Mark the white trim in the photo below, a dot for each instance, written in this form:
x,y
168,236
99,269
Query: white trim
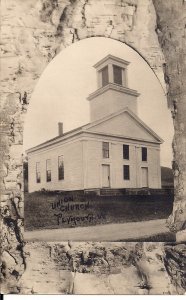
x,y
136,118
84,129
56,141
120,140
90,135
109,57
122,137
115,87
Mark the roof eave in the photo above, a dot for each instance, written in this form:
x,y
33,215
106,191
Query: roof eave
x,y
48,143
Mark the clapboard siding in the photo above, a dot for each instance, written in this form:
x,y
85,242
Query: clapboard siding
x,y
83,165
73,167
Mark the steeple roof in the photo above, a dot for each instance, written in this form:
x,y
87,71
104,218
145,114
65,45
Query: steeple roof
x,y
111,58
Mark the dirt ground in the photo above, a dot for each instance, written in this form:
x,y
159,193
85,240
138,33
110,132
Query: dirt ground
x,y
107,232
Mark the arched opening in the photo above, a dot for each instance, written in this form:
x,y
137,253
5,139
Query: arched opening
x,y
60,97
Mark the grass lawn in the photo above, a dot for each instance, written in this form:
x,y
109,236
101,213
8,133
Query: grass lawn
x,y
55,210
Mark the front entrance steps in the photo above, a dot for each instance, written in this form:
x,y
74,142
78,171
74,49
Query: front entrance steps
x,y
129,191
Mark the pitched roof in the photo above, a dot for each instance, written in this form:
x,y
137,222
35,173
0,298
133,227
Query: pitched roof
x,y
134,116
57,138
86,127
114,58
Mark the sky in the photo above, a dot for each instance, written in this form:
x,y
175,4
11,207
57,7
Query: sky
x,y
61,92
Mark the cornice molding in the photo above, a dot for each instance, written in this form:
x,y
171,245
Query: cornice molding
x,y
114,87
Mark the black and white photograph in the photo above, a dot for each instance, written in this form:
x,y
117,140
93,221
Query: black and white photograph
x,y
93,160
98,149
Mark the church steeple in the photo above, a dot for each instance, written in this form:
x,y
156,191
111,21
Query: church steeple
x,y
112,69
113,93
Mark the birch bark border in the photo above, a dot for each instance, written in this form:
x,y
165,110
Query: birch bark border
x,y
33,32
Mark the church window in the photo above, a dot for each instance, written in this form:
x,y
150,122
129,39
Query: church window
x,y
104,73
126,172
144,154
117,74
125,151
38,173
60,167
105,149
48,170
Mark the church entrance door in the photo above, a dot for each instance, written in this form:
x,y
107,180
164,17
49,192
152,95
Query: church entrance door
x,y
105,176
144,177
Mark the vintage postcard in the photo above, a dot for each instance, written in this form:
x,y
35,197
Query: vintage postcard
x,y
92,147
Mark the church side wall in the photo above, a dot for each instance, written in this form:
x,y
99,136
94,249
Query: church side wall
x,y
73,168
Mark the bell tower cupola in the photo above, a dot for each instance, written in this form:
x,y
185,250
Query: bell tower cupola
x,y
113,93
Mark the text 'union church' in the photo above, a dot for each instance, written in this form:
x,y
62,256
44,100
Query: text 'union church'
x,y
115,150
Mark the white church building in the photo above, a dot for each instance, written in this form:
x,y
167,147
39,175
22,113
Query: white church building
x,y
116,150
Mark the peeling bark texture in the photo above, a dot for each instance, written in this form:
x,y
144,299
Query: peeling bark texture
x,y
175,263
97,268
171,31
32,33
